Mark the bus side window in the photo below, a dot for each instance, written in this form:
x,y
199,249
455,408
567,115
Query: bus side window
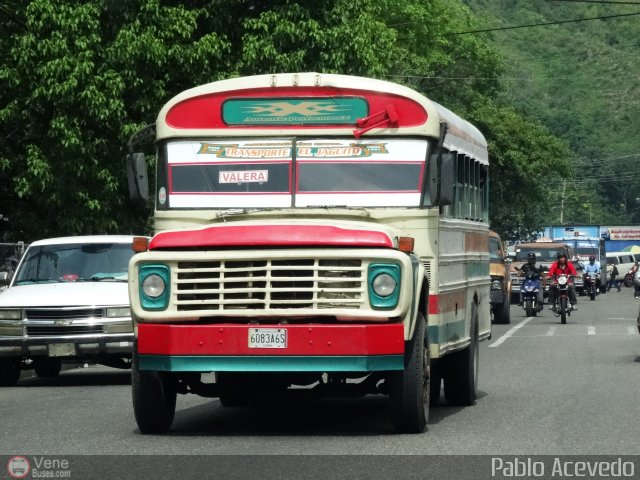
x,y
484,192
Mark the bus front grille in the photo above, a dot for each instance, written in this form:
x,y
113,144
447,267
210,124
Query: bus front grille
x,y
271,284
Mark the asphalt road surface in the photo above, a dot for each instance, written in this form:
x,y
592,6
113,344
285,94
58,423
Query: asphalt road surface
x,y
545,388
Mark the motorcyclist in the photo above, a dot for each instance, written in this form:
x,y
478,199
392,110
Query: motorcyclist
x,y
537,271
593,269
562,267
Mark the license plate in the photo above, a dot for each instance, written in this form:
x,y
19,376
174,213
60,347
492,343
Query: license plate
x,y
267,338
62,350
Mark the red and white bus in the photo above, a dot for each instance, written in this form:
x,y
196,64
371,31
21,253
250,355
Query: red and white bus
x,y
321,233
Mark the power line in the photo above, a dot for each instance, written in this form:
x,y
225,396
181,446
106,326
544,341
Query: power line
x,y
513,27
602,2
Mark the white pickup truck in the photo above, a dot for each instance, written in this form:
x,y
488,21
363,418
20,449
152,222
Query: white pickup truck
x,y
67,301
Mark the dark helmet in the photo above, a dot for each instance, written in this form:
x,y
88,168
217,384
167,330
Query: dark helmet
x,y
531,257
592,258
561,254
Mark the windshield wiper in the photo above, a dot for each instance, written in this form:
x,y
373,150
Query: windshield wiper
x,y
35,280
104,277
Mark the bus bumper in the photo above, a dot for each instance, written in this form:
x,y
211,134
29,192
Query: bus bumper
x,y
308,348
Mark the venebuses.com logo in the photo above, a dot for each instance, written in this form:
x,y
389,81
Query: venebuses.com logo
x,y
18,467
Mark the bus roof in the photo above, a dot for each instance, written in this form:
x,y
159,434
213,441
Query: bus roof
x,y
311,103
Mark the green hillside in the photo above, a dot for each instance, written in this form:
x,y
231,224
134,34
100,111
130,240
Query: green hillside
x,y
581,80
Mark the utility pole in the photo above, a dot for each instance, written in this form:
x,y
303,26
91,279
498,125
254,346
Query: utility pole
x,y
564,187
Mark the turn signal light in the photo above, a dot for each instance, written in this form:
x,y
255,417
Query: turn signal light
x,y
140,244
405,244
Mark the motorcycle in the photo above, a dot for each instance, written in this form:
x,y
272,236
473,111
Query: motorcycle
x,y
591,285
562,307
530,290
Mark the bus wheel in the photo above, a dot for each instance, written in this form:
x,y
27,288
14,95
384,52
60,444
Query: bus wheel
x,y
461,379
10,371
154,398
410,390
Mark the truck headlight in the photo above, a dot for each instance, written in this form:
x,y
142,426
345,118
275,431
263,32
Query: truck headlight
x,y
11,314
384,285
154,286
11,328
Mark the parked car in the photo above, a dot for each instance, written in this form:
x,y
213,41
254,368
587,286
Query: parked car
x,y
67,301
500,280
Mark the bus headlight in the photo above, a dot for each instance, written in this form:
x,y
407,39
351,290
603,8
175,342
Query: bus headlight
x,y
154,286
384,285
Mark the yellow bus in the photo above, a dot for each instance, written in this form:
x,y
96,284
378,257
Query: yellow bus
x,y
315,233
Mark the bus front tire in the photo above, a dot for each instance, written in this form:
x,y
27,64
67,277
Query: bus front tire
x,y
154,399
461,380
410,390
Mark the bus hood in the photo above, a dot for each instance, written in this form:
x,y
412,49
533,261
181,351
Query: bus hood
x,y
282,233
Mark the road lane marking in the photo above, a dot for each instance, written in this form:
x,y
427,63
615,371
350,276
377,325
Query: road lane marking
x,y
591,330
510,332
551,331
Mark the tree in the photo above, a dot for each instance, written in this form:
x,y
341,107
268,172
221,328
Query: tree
x,y
77,79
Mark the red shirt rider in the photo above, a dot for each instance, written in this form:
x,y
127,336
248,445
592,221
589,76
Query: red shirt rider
x,y
562,267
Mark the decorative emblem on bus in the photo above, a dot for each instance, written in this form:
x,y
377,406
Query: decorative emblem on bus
x,y
294,111
303,150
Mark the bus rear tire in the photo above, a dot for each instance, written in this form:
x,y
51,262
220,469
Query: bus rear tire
x,y
410,389
461,380
154,399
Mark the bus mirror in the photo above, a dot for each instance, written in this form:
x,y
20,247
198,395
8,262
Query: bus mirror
x,y
440,179
137,177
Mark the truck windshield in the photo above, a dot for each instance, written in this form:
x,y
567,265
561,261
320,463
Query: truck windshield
x,y
75,263
542,255
294,173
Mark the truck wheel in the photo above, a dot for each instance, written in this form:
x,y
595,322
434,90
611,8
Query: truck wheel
x,y
10,371
410,389
502,312
154,398
461,379
47,367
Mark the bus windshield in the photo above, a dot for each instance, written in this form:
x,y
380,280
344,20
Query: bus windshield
x,y
270,173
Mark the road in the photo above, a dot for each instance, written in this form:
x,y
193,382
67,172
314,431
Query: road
x,y
545,388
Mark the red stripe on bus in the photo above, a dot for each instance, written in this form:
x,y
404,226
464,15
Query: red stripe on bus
x,y
476,242
271,235
205,111
447,302
233,339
